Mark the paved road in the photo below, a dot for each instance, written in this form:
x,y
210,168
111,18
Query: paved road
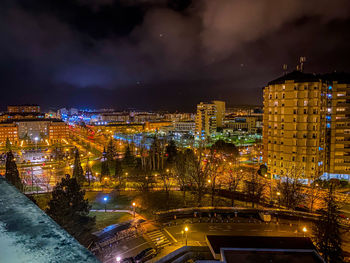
x,y
129,248
197,232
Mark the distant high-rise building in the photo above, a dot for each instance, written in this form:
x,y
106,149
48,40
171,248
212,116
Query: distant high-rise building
x,y
206,119
306,125
220,112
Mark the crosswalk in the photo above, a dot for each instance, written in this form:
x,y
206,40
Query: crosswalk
x,y
158,238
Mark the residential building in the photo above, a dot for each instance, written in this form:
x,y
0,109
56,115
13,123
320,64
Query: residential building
x,y
206,119
220,112
58,131
20,115
306,126
184,126
10,131
23,108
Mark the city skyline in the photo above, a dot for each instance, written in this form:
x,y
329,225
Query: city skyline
x,y
117,53
152,131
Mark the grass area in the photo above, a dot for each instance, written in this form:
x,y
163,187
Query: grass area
x,y
106,219
115,200
42,200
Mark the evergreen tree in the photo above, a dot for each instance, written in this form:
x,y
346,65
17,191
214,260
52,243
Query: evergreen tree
x,y
88,171
8,145
104,166
11,173
118,172
171,152
110,152
78,171
129,159
327,230
70,210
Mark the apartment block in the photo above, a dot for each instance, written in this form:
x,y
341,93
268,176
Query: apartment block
x,y
306,126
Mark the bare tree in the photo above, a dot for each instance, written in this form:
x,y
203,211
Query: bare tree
x,y
235,176
181,173
314,192
254,187
198,170
290,188
166,177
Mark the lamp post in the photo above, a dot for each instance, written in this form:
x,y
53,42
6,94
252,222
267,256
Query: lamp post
x,y
279,201
118,259
186,230
134,206
105,199
36,142
304,230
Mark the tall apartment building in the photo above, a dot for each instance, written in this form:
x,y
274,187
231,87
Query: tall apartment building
x,y
220,112
23,108
206,119
306,125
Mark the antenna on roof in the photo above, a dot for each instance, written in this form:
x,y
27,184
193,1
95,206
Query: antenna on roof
x,y
301,60
285,67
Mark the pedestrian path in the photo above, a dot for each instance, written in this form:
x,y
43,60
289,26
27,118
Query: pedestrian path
x,y
158,239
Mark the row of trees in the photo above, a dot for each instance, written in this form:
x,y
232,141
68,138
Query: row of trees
x,y
195,170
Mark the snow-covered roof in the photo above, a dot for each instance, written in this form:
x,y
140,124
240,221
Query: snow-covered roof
x,y
27,234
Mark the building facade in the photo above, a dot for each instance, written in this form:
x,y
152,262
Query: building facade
x,y
220,112
206,119
23,108
10,131
58,131
305,125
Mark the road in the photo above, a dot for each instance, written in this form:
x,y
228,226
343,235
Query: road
x,y
197,232
129,248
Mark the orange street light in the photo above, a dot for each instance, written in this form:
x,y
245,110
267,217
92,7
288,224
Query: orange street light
x,y
186,230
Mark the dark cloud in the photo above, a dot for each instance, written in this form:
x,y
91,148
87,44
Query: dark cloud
x,y
162,54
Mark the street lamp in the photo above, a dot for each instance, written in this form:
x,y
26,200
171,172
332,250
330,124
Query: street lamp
x,y
36,139
186,230
134,206
304,230
279,201
105,199
118,259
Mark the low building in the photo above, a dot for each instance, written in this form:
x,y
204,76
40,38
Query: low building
x,y
21,115
10,131
23,108
246,123
58,131
156,125
114,117
257,249
35,129
184,126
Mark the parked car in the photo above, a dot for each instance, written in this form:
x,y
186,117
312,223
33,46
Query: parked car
x,y
145,255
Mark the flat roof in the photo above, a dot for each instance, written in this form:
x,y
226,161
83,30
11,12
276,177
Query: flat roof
x,y
27,234
259,242
263,256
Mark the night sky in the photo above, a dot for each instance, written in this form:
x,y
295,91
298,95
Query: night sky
x,y
159,54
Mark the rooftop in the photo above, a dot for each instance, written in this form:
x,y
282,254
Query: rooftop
x,y
27,234
263,249
298,76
